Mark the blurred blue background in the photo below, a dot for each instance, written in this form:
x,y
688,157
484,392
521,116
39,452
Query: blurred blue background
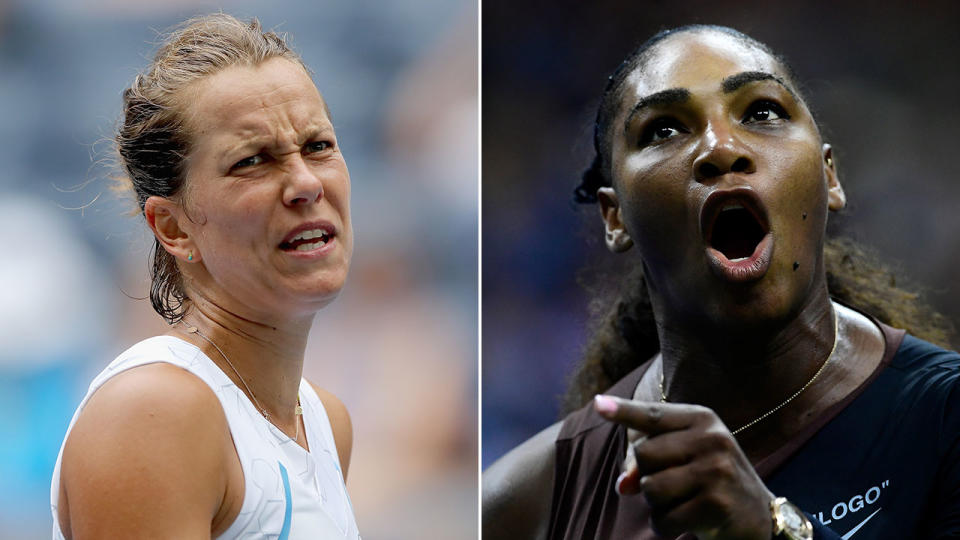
x,y
400,344
883,80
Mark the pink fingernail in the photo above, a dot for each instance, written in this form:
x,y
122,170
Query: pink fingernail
x,y
604,404
620,479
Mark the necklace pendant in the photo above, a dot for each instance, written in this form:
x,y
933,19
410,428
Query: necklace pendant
x,y
298,411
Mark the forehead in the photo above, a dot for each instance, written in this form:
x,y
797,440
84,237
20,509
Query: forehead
x,y
697,61
277,92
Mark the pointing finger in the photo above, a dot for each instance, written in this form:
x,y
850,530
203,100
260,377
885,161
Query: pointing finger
x,y
651,418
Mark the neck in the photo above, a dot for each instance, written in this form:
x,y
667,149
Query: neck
x,y
742,376
261,359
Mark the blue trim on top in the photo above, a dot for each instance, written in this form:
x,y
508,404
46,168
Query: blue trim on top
x,y
285,530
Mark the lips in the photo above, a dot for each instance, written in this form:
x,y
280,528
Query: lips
x,y
309,237
737,235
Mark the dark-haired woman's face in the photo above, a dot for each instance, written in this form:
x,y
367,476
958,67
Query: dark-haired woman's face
x,y
721,180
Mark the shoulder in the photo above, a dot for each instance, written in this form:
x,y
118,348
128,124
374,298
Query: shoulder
x,y
153,399
149,445
926,370
518,488
915,353
340,424
925,379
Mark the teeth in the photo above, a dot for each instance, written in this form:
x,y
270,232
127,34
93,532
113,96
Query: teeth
x,y
307,235
311,245
738,259
733,206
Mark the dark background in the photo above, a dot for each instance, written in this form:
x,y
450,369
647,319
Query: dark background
x,y
883,80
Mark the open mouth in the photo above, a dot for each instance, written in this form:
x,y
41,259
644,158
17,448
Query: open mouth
x,y
736,232
733,222
737,235
307,240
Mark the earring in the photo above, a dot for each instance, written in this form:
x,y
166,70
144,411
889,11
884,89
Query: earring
x,y
619,241
190,256
829,161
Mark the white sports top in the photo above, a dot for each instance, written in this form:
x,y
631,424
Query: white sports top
x,y
290,494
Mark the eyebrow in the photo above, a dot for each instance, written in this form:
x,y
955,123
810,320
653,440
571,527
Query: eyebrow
x,y
670,96
735,82
730,84
251,136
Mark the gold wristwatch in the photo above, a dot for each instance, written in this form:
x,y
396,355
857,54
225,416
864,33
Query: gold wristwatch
x,y
789,523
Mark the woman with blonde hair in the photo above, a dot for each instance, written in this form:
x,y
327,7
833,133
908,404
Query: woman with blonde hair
x,y
210,430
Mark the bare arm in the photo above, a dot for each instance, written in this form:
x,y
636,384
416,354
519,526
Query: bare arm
x,y
340,424
518,488
146,459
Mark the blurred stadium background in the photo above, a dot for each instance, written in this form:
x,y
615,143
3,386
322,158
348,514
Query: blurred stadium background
x,y
399,346
882,79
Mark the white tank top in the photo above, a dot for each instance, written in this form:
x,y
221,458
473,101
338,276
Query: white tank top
x,y
290,494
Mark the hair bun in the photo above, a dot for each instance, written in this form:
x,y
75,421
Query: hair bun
x,y
590,182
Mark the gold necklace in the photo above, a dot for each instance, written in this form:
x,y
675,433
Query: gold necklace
x,y
836,338
297,411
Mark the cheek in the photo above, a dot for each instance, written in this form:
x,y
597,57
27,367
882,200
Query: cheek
x,y
798,207
799,188
343,202
654,197
336,182
237,219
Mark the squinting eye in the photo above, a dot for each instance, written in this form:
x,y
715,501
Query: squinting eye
x,y
319,146
765,111
248,162
660,130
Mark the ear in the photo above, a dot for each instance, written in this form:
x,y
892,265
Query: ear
x,y
617,238
836,199
164,219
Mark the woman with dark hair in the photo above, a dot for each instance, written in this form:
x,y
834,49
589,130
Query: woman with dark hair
x,y
745,401
210,430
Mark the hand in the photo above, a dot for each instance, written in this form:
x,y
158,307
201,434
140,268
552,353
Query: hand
x,y
691,471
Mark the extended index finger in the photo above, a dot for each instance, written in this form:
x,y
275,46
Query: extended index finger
x,y
649,417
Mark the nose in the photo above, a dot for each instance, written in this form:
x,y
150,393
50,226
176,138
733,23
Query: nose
x,y
722,153
302,185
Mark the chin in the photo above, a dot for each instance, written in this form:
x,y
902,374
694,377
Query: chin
x,y
318,294
325,298
731,308
298,305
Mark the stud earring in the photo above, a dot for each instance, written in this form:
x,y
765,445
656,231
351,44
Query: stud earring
x,y
619,241
190,256
829,161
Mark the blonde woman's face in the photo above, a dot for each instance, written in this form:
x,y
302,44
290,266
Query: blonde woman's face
x,y
268,191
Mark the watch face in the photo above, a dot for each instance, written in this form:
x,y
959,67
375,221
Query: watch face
x,y
795,524
792,520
